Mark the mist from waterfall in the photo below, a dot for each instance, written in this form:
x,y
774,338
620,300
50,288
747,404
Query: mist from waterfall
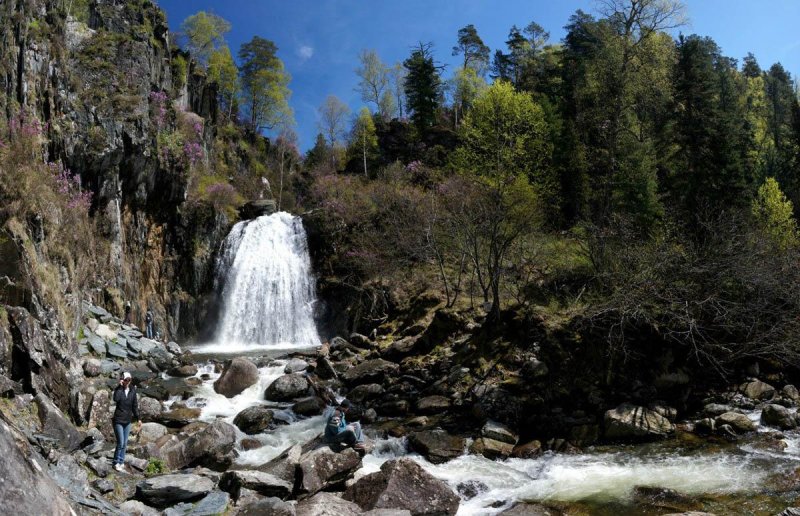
x,y
268,289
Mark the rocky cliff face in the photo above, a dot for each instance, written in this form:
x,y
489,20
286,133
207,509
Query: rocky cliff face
x,y
94,78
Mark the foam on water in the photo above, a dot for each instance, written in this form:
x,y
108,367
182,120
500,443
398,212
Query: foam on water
x,y
268,290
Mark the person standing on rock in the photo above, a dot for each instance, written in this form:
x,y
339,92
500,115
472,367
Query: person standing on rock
x,y
338,431
127,410
148,324
127,319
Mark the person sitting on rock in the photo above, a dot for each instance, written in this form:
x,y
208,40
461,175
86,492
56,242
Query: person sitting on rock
x,y
338,431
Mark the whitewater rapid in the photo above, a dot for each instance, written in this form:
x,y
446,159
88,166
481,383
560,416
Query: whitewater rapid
x,y
268,290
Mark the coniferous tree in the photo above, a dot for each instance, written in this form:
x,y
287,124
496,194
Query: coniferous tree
x,y
423,86
474,50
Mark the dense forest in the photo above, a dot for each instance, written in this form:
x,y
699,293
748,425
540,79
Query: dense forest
x,y
643,183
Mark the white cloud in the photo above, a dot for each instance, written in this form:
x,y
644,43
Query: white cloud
x,y
305,52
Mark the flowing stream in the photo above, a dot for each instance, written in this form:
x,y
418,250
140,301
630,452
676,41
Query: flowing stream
x,y
726,479
268,289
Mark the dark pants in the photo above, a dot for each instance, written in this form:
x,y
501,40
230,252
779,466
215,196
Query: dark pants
x,y
348,437
121,432
148,331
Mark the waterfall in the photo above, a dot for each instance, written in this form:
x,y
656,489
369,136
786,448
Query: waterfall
x,y
268,290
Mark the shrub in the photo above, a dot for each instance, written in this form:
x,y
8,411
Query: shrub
x,y
155,467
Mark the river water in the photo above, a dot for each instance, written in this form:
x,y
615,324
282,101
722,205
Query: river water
x,y
743,478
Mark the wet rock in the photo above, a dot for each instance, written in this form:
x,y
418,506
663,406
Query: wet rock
x,y
394,408
258,481
310,406
137,508
269,506
433,404
499,432
213,504
791,392
740,423
209,447
287,388
778,416
490,448
248,443
634,422
163,390
178,417
151,432
295,365
436,445
365,392
528,450
705,426
361,341
56,425
757,390
791,511
254,420
323,469
174,348
530,509
327,504
160,359
165,490
370,371
471,488
403,484
715,409
149,408
183,371
727,432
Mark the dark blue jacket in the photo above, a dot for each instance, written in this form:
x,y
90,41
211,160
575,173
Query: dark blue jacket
x,y
127,406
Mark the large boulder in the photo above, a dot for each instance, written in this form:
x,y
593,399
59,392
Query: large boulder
x,y
638,423
739,422
433,404
151,432
776,415
272,506
178,417
757,390
25,487
365,392
149,408
436,445
214,503
287,388
56,425
491,448
325,369
253,420
499,432
295,365
208,447
327,504
323,469
403,484
371,371
237,375
310,406
263,483
165,490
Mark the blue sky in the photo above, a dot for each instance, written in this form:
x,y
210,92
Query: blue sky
x,y
319,40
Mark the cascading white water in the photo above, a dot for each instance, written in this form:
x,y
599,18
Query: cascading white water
x,y
268,289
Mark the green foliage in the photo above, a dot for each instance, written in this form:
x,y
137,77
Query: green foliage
x,y
474,50
422,87
774,214
364,138
467,85
374,82
79,9
222,70
204,33
180,70
155,467
265,85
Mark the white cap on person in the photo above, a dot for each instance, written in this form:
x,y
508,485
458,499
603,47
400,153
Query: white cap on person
x,y
126,375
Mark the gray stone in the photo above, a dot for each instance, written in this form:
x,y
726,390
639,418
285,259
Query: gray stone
x,y
25,486
237,375
174,348
100,466
151,432
287,388
757,390
207,447
253,420
791,392
738,422
258,481
103,485
371,371
137,508
97,344
327,504
149,408
117,350
56,425
310,406
295,365
325,370
92,367
778,416
269,506
365,392
323,469
165,490
436,445
403,484
70,476
433,404
491,448
499,432
109,366
213,504
715,409
633,422
184,371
